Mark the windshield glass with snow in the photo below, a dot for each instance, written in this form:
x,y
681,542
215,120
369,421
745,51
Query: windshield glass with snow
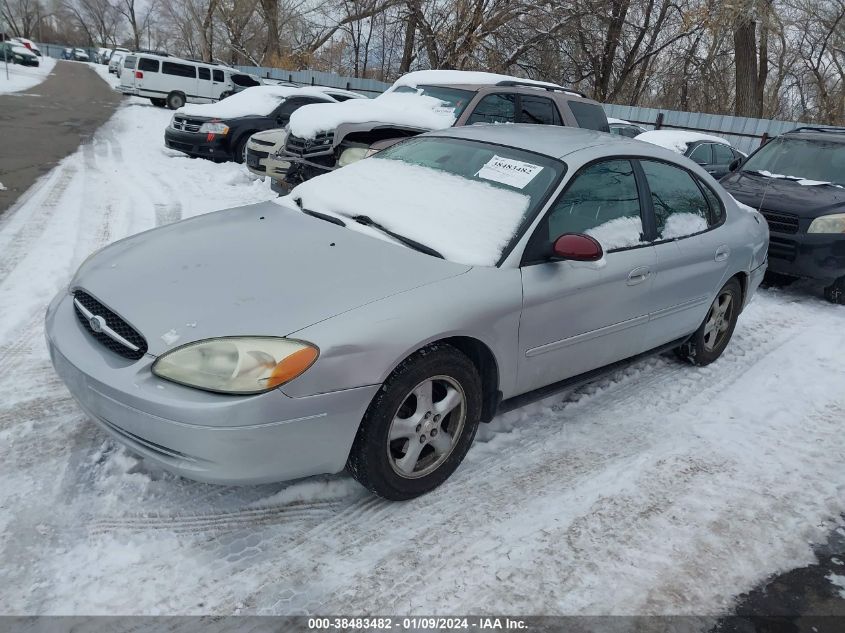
x,y
454,98
800,159
465,199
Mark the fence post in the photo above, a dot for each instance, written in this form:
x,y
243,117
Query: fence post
x,y
764,139
659,122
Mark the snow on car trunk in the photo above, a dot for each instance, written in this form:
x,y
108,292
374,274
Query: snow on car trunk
x,y
258,100
677,140
467,221
408,110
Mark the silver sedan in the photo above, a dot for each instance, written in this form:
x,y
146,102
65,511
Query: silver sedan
x,y
372,318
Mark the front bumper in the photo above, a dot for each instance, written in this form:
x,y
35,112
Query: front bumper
x,y
198,144
256,160
200,435
819,256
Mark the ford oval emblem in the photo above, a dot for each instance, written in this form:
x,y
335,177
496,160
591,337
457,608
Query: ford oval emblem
x,y
97,323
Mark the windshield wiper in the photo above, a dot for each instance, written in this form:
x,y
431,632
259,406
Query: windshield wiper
x,y
407,241
317,214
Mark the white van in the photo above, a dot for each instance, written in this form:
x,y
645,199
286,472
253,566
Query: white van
x,y
173,82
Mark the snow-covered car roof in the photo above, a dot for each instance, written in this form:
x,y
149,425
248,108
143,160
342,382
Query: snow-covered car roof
x,y
678,140
461,77
256,101
391,108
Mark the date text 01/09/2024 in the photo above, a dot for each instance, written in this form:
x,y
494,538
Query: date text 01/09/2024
x,y
416,623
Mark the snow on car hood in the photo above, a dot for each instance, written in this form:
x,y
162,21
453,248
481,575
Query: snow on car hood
x,y
409,110
467,221
254,101
677,140
257,270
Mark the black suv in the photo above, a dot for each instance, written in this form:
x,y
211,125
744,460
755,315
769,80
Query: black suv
x,y
797,181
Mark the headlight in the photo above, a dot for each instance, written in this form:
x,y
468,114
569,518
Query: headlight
x,y
214,127
828,224
352,155
237,365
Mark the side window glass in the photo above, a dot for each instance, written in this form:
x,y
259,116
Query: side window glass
x,y
539,110
589,116
717,211
701,154
680,208
498,108
148,65
204,73
180,70
722,154
601,201
218,75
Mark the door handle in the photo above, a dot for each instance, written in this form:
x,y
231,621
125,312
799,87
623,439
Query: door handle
x,y
638,275
722,253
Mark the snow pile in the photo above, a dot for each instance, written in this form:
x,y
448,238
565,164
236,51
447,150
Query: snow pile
x,y
618,233
677,140
801,181
468,222
457,77
409,110
255,101
837,581
683,224
24,77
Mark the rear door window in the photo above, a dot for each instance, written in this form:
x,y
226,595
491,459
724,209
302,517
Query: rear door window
x,y
204,73
129,62
495,108
180,70
680,208
589,116
148,65
539,110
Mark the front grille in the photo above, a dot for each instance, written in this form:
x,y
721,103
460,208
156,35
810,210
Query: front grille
x,y
780,248
780,222
257,154
116,323
258,141
186,125
306,147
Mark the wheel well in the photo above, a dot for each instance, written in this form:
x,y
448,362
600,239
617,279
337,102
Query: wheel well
x,y
742,278
485,362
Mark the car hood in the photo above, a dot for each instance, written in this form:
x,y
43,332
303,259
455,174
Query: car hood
x,y
784,196
263,269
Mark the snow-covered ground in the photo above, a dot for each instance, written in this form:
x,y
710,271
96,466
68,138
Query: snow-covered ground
x,y
24,77
662,489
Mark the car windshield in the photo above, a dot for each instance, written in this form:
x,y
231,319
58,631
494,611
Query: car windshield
x,y
455,98
818,160
464,199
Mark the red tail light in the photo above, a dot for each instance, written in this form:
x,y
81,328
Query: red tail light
x,y
139,74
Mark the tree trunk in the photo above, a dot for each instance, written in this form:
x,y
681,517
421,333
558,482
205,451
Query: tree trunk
x,y
408,52
745,61
270,9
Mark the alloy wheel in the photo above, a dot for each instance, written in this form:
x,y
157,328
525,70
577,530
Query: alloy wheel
x,y
427,426
718,321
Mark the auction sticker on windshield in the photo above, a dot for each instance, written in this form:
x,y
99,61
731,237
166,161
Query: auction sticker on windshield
x,y
514,173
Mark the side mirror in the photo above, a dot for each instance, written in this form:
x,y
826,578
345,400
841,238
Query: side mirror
x,y
735,164
577,247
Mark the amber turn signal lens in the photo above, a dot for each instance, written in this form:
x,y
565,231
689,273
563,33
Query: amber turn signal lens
x,y
292,366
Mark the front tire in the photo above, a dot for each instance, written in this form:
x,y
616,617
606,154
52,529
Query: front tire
x,y
239,153
159,103
419,426
712,337
175,100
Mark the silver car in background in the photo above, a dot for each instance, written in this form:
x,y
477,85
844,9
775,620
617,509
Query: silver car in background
x,y
375,316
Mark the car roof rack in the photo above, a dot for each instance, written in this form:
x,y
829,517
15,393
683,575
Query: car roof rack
x,y
819,128
549,87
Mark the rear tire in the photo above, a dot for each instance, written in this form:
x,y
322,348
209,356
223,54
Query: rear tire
x,y
175,100
419,426
835,292
714,334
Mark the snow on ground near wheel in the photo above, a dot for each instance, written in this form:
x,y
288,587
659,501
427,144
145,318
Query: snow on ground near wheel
x,y
24,77
663,488
677,140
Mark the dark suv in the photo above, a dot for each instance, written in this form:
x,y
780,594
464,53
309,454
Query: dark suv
x,y
502,101
797,181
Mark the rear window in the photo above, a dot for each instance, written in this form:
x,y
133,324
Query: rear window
x,y
181,70
589,116
129,62
149,65
205,73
